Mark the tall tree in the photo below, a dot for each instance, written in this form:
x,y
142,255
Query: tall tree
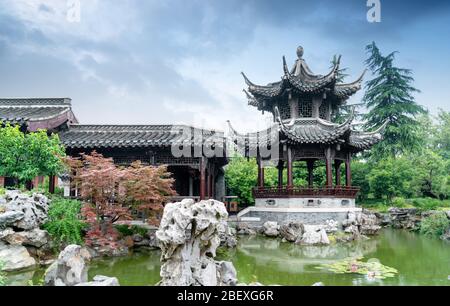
x,y
442,134
24,156
342,112
389,96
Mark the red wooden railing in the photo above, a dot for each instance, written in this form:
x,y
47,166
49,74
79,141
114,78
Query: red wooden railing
x,y
303,192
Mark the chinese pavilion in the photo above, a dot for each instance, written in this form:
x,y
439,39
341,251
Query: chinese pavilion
x,y
303,106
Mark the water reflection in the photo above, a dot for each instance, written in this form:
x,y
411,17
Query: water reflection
x,y
419,260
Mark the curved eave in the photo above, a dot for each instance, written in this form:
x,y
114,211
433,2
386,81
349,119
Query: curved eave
x,y
361,141
268,91
345,91
313,131
255,139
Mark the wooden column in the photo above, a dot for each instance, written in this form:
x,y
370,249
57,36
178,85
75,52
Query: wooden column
x,y
213,185
328,167
202,178
208,185
36,182
310,165
290,179
260,173
51,184
348,171
280,173
337,168
2,181
191,185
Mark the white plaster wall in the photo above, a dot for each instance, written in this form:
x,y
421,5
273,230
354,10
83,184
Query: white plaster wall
x,y
306,203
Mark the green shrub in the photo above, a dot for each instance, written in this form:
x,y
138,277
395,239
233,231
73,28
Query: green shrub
x,y
399,202
434,225
2,191
64,223
424,204
126,230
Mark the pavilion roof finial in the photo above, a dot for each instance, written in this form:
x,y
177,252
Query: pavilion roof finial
x,y
300,52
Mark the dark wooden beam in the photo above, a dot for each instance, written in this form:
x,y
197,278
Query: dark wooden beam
x,y
52,184
260,173
329,170
290,179
310,165
280,173
348,171
202,178
337,168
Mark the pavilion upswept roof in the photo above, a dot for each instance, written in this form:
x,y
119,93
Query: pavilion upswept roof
x,y
304,131
36,113
302,80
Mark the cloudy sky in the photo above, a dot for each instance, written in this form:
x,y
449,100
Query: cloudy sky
x,y
179,61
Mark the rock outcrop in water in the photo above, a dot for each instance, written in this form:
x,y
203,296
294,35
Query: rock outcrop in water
x,y
188,237
270,229
314,235
292,231
404,218
71,270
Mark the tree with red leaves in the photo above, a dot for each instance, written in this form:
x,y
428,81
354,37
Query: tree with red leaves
x,y
108,193
147,188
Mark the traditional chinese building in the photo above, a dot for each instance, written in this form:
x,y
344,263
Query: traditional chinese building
x,y
32,114
198,173
304,105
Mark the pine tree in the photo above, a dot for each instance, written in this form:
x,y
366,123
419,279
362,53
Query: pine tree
x,y
389,96
341,73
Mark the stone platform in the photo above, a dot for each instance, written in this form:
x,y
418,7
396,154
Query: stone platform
x,y
307,215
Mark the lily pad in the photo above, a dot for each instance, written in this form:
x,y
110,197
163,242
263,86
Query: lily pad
x,y
373,269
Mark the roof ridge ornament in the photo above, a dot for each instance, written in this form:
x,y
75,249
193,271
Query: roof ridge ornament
x,y
247,81
381,129
350,117
285,68
358,80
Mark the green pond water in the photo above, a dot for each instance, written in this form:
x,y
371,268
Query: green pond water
x,y
419,261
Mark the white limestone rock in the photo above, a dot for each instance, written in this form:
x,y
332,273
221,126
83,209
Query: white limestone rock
x,y
36,238
30,212
70,269
101,281
291,231
15,258
271,229
6,232
227,274
314,237
8,218
331,226
188,237
227,235
244,228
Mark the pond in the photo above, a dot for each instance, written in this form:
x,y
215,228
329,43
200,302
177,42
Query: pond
x,y
418,259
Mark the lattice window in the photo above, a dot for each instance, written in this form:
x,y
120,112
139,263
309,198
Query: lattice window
x,y
285,111
308,153
305,107
323,110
